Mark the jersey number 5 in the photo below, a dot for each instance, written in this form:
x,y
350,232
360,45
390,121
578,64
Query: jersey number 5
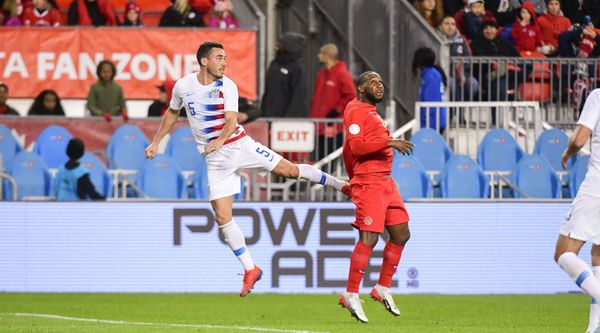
x,y
191,108
264,153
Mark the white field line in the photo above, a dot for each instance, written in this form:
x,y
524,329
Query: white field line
x,y
137,323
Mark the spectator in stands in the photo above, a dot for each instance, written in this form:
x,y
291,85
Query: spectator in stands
x,y
42,14
247,110
12,12
92,12
581,41
105,97
433,84
159,106
4,108
502,10
222,16
431,10
460,16
202,6
473,19
496,75
539,6
334,88
451,7
572,10
464,85
551,25
591,8
46,103
181,14
525,31
72,181
133,16
285,87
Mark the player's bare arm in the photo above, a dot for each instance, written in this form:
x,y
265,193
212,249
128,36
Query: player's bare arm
x,y
576,142
228,129
401,145
166,124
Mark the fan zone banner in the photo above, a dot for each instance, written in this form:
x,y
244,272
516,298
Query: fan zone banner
x,y
65,59
455,248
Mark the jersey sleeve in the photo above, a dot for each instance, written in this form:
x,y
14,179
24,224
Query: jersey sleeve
x,y
176,100
354,124
230,94
590,115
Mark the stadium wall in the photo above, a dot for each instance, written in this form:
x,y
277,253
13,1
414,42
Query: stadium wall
x,y
455,248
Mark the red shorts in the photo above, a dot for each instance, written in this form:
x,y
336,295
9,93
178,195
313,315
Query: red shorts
x,y
378,202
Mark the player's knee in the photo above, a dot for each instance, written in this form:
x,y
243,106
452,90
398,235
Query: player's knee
x,y
400,239
370,239
222,219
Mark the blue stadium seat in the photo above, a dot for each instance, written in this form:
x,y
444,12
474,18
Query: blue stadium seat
x,y
536,178
126,148
463,178
551,144
161,177
430,149
577,173
9,147
51,145
498,151
201,187
411,177
182,147
98,174
31,174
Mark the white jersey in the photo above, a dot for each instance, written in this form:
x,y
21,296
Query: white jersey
x,y
590,118
205,107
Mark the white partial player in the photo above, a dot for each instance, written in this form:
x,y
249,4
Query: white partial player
x,y
211,103
582,222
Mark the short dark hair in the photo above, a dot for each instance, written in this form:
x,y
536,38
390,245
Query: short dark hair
x,y
364,77
4,85
75,149
204,50
106,62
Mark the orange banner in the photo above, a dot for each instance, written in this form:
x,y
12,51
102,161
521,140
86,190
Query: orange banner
x,y
64,59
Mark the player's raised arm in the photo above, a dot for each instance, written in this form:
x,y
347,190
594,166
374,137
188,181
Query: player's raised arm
x,y
168,121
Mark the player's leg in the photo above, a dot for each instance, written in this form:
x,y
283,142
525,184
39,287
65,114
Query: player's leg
x,y
594,319
566,255
309,172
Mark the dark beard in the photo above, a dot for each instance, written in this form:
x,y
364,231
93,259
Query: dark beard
x,y
371,98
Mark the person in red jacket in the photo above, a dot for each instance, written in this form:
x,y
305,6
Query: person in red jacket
x,y
334,88
42,14
368,155
525,32
551,25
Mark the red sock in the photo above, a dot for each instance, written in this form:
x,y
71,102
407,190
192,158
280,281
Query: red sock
x,y
391,257
358,264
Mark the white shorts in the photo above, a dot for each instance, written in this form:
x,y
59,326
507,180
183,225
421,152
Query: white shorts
x,y
582,221
223,165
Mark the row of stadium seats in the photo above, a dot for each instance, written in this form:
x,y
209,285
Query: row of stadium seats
x,y
180,173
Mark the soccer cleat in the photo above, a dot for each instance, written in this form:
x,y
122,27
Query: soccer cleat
x,y
353,303
346,189
383,295
250,278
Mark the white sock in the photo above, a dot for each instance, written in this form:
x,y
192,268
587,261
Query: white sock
x,y
594,306
309,172
235,239
580,272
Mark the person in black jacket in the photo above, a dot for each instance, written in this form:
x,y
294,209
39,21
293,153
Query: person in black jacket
x,y
181,14
46,103
285,87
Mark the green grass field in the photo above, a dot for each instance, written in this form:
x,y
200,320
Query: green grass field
x,y
137,313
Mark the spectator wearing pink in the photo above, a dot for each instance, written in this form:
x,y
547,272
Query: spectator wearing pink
x,y
132,15
92,12
222,16
12,11
551,25
525,32
42,14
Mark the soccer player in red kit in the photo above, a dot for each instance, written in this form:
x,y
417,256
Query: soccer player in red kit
x,y
368,159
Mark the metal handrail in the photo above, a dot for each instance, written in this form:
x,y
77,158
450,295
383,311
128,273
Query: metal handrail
x,y
12,182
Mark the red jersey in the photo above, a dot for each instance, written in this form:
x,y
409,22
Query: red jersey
x,y
366,147
48,18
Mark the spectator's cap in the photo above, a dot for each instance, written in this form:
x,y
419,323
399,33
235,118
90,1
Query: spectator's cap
x,y
489,23
132,6
167,87
75,149
470,2
292,42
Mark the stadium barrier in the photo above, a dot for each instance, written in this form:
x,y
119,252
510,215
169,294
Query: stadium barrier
x,y
455,248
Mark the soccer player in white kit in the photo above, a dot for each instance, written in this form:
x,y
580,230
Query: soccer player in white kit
x,y
211,103
582,222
